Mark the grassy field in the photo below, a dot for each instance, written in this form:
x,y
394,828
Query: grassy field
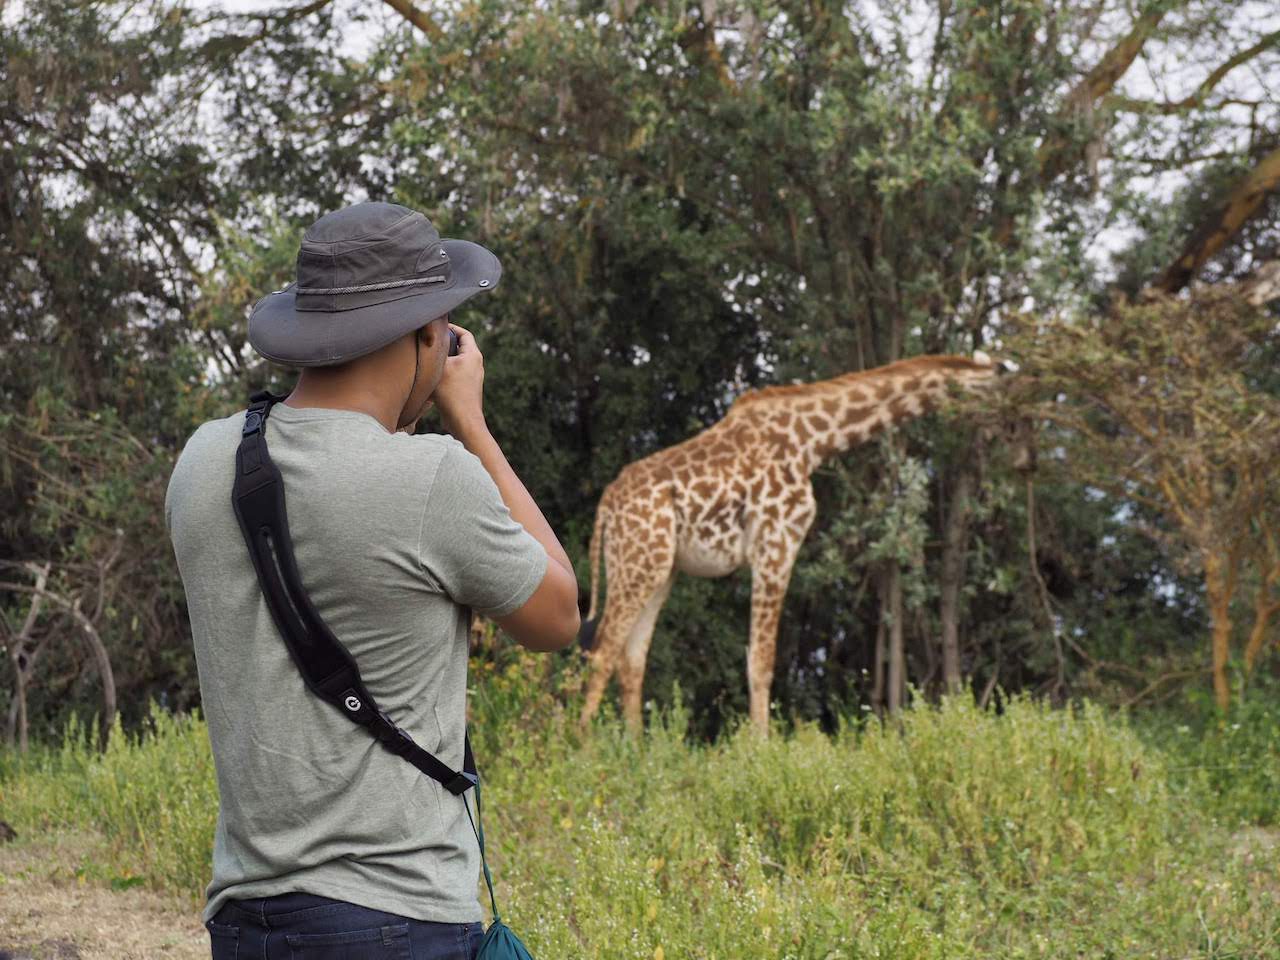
x,y
954,833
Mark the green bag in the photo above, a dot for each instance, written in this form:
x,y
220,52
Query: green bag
x,y
499,942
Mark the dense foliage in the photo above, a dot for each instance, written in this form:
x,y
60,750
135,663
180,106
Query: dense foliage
x,y
690,199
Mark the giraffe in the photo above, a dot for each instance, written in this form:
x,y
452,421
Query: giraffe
x,y
738,494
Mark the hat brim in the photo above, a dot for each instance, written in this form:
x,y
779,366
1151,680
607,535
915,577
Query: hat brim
x,y
311,338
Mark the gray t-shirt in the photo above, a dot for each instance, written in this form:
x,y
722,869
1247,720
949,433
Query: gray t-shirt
x,y
394,536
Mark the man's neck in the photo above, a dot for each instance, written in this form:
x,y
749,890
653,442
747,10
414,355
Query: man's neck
x,y
307,393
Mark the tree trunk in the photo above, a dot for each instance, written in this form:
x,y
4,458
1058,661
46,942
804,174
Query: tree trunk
x,y
103,662
881,655
928,681
1218,588
21,710
11,721
951,577
897,663
1264,608
24,657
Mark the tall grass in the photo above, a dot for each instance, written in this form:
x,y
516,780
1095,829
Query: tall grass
x,y
953,832
152,795
1230,764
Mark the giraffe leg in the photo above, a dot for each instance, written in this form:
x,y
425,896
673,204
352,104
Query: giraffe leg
x,y
768,591
638,561
773,554
631,673
626,611
615,625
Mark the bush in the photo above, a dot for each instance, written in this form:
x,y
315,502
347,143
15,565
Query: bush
x,y
1227,765
951,832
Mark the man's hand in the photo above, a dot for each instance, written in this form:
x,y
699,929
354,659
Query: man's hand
x,y
460,394
549,619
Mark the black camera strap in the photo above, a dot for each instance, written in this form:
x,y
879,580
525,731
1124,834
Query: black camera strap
x,y
326,665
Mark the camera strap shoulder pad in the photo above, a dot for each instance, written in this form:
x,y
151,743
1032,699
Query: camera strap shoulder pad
x,y
326,665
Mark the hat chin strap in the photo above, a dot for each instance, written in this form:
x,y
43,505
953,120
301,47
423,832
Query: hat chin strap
x,y
416,361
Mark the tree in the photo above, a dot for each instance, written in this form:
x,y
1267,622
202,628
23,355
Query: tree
x,y
1158,402
689,198
115,186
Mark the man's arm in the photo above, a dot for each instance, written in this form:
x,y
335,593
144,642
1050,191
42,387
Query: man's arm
x,y
549,619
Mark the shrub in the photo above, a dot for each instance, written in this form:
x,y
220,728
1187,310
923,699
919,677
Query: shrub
x,y
949,832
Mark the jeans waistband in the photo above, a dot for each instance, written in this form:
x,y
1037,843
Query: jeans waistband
x,y
282,903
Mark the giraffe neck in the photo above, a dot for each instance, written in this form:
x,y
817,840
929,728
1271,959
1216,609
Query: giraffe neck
x,y
829,417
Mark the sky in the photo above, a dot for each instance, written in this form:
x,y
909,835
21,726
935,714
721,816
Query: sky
x,y
360,36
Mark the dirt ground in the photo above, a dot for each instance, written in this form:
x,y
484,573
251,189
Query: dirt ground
x,y
47,913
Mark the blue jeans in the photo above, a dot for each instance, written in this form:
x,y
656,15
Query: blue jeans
x,y
303,926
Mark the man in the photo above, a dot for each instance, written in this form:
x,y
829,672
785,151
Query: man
x,y
327,845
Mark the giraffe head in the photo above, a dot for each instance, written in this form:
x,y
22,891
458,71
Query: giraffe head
x,y
1002,366
924,381
981,371
1003,425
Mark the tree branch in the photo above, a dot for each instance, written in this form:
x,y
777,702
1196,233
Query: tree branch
x,y
417,18
1054,156
103,659
1196,98
1241,203
1113,65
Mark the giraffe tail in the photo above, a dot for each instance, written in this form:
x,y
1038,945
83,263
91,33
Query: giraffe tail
x,y
587,633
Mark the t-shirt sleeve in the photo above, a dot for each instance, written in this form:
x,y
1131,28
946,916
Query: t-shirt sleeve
x,y
168,506
470,546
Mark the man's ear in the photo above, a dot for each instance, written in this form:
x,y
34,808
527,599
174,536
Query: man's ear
x,y
425,335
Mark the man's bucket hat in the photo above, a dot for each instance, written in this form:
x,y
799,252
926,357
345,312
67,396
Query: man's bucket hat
x,y
366,275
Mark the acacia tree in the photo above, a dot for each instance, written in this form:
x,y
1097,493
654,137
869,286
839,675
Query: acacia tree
x,y
1158,401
